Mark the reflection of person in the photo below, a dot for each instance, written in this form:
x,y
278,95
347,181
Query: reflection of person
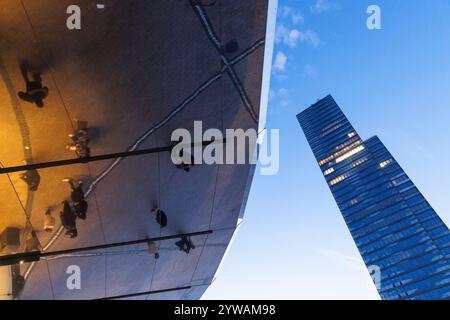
x,y
79,144
185,244
32,179
35,92
77,194
153,249
79,203
183,165
49,221
68,220
160,217
81,209
18,281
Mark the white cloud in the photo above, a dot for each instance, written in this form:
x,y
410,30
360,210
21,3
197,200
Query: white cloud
x,y
292,37
310,37
280,97
297,18
289,13
282,92
286,11
284,103
280,33
272,95
280,62
324,6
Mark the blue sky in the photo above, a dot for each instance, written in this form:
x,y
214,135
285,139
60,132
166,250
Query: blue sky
x,y
394,83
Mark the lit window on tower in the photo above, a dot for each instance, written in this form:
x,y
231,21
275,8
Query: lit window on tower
x,y
350,154
359,162
384,164
339,179
340,152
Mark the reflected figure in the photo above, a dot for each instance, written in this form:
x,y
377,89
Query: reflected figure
x,y
182,165
153,249
35,92
79,143
68,220
160,217
79,203
18,280
185,244
49,221
32,179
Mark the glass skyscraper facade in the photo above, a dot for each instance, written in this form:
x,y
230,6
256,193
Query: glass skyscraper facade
x,y
403,242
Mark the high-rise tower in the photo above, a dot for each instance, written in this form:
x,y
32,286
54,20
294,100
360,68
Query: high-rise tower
x,y
397,232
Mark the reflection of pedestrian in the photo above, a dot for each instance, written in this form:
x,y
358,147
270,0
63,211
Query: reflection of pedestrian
x,y
182,165
81,209
185,244
35,92
18,281
153,249
68,220
160,217
77,195
32,179
79,143
49,221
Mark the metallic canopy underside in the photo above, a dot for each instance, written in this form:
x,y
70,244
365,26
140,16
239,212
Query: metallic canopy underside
x,y
136,71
